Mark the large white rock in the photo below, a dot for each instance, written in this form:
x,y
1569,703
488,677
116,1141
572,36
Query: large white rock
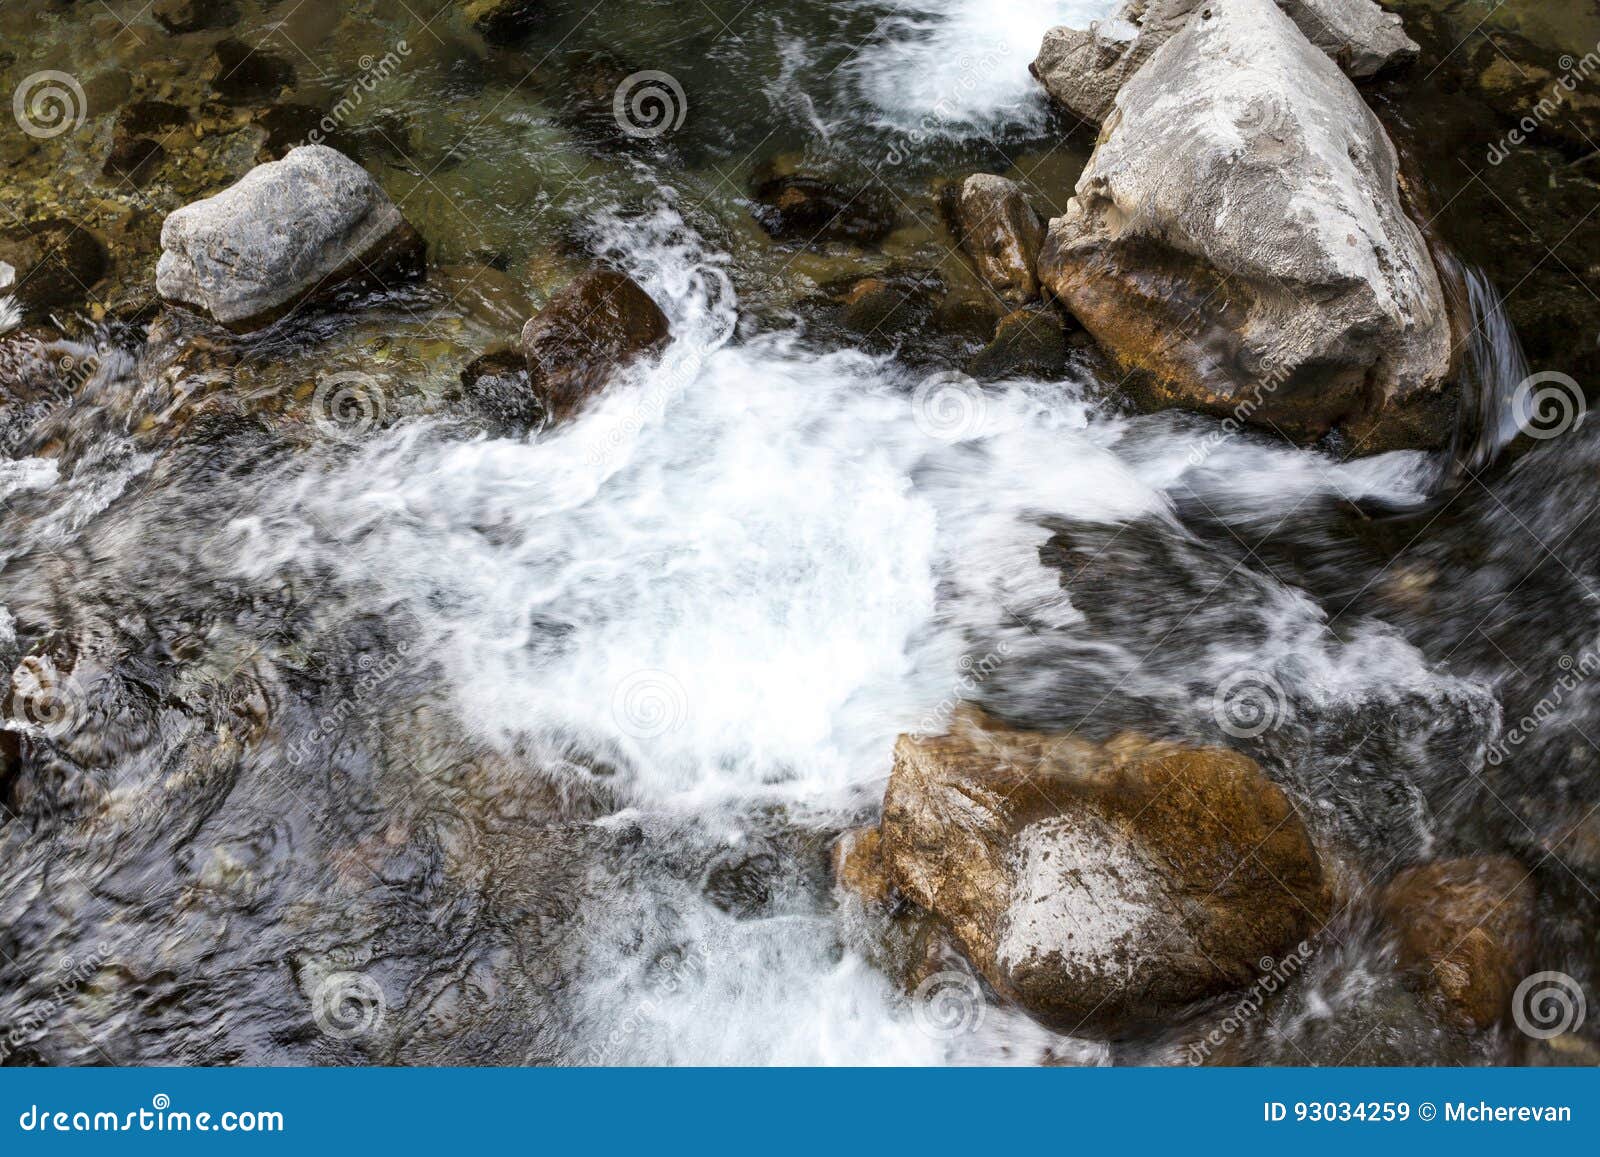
x,y
1084,69
287,230
1238,242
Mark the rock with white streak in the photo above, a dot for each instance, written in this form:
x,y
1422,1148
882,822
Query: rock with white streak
x,y
287,231
1239,244
1084,69
1103,888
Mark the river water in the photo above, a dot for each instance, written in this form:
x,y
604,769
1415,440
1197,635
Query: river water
x,y
547,737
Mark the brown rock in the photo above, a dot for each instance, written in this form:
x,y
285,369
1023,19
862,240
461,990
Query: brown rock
x,y
1465,931
1101,887
1028,343
809,209
57,262
859,867
179,16
506,22
601,321
999,232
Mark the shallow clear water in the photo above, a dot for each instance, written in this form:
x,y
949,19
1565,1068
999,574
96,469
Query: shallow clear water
x,y
701,612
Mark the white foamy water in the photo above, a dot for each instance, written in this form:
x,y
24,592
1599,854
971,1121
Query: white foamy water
x,y
745,570
954,66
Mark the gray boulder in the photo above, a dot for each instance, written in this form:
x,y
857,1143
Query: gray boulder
x,y
1084,69
287,231
1238,242
999,232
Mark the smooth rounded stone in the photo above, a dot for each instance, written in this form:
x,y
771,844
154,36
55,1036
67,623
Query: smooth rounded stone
x,y
1465,932
998,231
242,74
57,263
1102,888
506,23
287,231
497,388
810,209
598,323
180,16
1239,244
1028,343
1084,69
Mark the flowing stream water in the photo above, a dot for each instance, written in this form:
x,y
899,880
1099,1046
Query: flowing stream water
x,y
697,616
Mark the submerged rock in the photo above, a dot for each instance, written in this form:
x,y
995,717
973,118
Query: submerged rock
x,y
1084,69
999,232
1465,930
1028,343
179,16
287,231
809,209
1101,887
496,387
242,73
599,322
506,22
57,264
1238,243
